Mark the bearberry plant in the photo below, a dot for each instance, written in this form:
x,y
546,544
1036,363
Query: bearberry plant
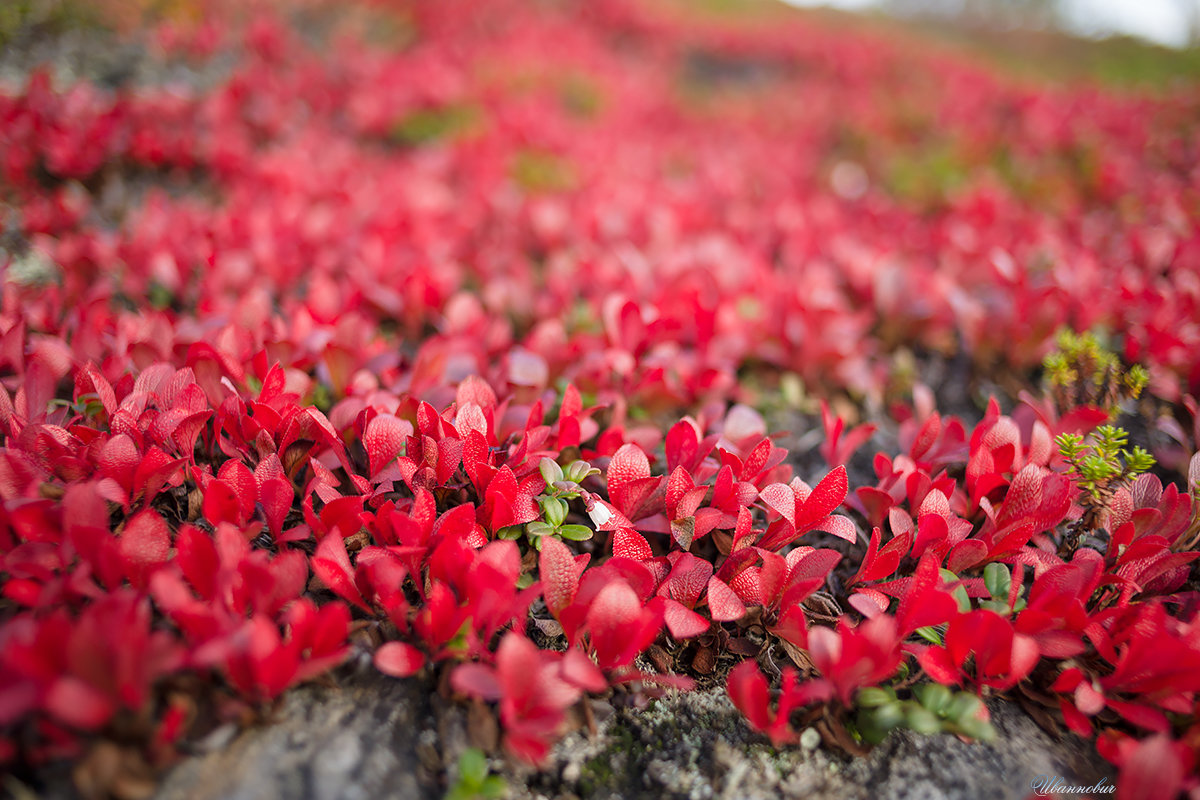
x,y
441,354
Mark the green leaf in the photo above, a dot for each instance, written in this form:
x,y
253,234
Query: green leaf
x,y
551,472
578,471
998,581
576,533
873,696
566,490
472,765
934,696
979,729
888,716
1138,461
875,723
921,720
963,707
931,635
493,787
959,592
555,511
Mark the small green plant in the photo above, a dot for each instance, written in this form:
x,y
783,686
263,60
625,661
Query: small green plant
x,y
998,580
437,124
1099,465
473,779
1082,371
933,708
1102,463
542,171
562,485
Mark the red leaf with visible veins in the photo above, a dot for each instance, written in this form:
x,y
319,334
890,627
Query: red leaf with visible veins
x,y
628,464
782,499
628,543
559,572
630,487
825,497
245,488
384,439
839,526
682,622
687,579
723,604
619,626
119,460
678,485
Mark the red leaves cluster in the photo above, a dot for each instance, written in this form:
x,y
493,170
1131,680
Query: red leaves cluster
x,y
229,482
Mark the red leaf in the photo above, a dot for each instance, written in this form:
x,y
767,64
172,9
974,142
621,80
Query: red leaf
x,y
245,488
678,485
331,563
682,444
628,464
810,574
579,671
221,504
628,543
838,526
723,604
398,659
145,545
825,497
1153,770
78,704
687,579
384,439
475,389
936,661
196,555
682,622
620,627
782,499
748,690
559,573
119,460
931,429
277,498
89,378
965,555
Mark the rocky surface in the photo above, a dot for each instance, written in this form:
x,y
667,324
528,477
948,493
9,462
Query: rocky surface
x,y
358,741
375,737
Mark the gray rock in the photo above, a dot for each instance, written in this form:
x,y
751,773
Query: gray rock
x,y
360,741
380,738
697,746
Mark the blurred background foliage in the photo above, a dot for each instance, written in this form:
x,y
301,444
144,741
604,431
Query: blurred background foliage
x,y
1026,37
